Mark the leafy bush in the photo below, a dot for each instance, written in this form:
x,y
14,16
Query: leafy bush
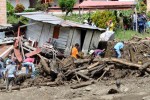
x,y
19,8
10,8
42,7
30,10
67,5
100,18
12,19
126,12
76,17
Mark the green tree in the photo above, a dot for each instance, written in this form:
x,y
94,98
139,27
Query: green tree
x,y
10,8
141,6
67,5
100,18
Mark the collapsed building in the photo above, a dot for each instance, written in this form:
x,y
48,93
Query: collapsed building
x,y
62,34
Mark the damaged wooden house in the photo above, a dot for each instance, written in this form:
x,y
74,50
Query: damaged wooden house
x,y
62,34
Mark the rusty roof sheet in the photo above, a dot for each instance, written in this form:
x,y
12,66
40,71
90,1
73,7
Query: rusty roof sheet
x,y
48,18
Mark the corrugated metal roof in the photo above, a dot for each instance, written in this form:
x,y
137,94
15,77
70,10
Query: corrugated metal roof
x,y
48,18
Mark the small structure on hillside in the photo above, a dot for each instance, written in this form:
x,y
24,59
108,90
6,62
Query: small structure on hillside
x,y
46,28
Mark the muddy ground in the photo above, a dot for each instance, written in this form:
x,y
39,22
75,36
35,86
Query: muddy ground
x,y
132,89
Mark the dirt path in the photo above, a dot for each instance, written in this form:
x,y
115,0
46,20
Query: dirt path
x,y
134,89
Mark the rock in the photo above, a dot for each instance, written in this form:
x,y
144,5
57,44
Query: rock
x,y
124,89
88,88
113,91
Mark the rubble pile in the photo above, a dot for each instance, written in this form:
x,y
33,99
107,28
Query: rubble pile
x,y
136,50
88,70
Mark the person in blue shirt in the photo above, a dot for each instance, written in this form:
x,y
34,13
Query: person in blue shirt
x,y
118,47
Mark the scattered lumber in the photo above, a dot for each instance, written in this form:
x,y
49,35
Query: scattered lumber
x,y
83,84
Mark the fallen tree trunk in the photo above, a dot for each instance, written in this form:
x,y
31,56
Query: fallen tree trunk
x,y
45,66
83,84
121,61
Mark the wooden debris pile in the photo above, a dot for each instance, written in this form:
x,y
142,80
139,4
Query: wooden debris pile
x,y
83,72
134,51
86,71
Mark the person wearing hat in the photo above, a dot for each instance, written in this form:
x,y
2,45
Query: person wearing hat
x,y
75,51
96,52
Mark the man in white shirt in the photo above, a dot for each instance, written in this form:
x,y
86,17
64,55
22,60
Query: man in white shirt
x,y
134,18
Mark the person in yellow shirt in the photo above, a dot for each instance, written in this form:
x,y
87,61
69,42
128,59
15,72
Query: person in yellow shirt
x,y
74,51
110,25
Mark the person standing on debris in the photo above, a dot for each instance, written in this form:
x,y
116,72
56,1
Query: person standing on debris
x,y
118,47
29,63
10,75
75,51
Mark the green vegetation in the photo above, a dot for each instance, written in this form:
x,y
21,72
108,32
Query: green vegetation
x,y
67,5
41,7
76,17
128,34
141,6
12,18
100,18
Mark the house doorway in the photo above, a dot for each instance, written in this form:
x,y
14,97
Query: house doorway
x,y
83,34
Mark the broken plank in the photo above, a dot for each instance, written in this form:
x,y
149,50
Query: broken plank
x,y
6,52
93,65
37,51
83,76
18,55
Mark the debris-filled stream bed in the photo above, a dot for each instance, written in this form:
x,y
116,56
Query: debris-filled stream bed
x,y
87,78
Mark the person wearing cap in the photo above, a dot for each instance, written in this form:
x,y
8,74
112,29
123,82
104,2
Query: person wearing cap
x,y
96,52
118,47
10,75
75,51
